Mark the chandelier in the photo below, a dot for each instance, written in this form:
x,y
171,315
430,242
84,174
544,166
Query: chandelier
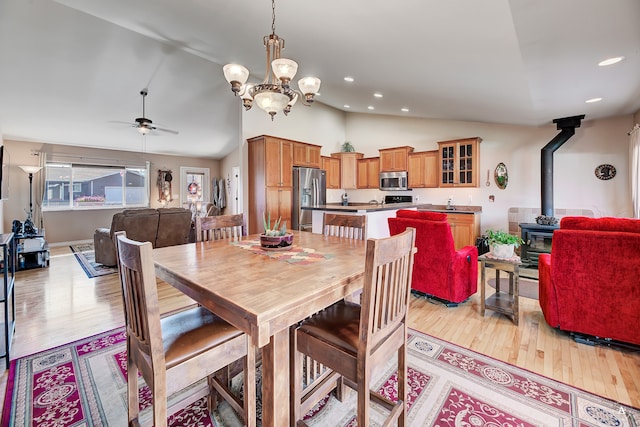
x,y
274,94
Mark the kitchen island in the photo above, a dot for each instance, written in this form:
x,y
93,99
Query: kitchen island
x,y
377,214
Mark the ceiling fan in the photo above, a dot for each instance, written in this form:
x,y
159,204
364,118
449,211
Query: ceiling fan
x,y
145,125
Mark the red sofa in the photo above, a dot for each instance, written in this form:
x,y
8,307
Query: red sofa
x,y
590,283
438,270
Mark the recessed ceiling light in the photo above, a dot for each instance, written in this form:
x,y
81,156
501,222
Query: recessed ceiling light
x,y
404,110
377,95
347,106
349,79
592,100
371,107
610,61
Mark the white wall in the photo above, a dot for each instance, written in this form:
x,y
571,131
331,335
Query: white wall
x,y
575,184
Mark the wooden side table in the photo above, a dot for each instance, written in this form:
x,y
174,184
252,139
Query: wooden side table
x,y
501,301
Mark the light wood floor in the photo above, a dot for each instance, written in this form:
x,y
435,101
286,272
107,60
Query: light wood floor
x,y
60,304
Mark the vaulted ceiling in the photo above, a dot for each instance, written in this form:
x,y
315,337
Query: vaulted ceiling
x,y
71,69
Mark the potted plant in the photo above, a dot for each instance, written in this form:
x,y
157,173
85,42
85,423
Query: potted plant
x,y
347,147
276,237
503,244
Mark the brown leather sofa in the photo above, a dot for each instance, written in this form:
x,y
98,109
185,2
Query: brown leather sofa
x,y
162,227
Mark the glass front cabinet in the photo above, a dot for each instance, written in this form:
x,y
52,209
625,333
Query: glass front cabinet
x,y
459,162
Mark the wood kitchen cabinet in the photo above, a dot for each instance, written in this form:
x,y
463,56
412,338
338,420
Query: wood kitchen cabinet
x,y
270,179
279,204
332,166
465,228
459,163
348,169
306,155
369,172
394,159
423,169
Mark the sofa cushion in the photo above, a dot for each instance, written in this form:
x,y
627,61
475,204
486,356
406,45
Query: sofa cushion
x,y
141,225
141,211
174,226
427,215
627,225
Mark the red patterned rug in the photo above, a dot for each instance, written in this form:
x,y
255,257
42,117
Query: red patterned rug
x,y
84,384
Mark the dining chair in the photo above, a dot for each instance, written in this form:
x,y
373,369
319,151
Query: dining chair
x,y
219,227
346,226
352,339
179,349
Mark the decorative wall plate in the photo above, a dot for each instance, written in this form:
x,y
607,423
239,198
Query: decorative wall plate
x,y
501,176
605,172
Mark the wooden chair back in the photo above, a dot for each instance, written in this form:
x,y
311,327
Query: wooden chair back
x,y
387,287
165,366
345,226
140,298
219,227
340,358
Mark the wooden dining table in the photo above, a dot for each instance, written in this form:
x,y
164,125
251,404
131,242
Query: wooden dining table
x,y
264,293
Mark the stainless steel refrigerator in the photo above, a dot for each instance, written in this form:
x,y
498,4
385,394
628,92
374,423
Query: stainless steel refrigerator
x,y
309,189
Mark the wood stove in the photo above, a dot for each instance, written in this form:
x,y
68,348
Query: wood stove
x,y
537,240
537,237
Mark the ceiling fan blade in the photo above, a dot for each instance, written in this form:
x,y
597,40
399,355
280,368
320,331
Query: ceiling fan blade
x,y
175,132
120,122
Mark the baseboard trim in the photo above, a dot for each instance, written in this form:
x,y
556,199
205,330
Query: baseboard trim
x,y
74,242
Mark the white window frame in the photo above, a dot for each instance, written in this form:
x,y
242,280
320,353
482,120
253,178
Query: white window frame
x,y
185,171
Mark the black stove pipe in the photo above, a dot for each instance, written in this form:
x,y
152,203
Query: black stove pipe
x,y
567,127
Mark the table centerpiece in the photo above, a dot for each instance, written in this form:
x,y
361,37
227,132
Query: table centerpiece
x,y
276,238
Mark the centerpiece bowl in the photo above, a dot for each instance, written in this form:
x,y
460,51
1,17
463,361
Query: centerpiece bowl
x,y
276,242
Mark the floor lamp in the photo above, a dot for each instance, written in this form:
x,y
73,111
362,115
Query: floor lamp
x,y
28,227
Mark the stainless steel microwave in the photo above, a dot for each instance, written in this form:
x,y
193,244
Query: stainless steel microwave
x,y
394,181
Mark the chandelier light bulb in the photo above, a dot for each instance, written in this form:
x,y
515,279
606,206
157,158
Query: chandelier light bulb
x,y
284,69
309,86
236,75
271,102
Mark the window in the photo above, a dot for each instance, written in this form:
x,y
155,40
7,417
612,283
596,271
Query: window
x,y
80,186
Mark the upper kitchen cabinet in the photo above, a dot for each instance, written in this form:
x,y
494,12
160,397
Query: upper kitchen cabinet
x,y
270,179
306,155
459,163
332,166
423,169
394,159
348,169
369,172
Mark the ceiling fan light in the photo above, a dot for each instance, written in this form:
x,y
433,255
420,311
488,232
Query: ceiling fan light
x,y
236,75
143,130
284,69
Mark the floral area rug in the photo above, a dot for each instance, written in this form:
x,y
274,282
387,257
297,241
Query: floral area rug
x,y
84,384
85,254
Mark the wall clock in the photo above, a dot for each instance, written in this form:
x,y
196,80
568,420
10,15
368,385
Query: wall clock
x,y
605,172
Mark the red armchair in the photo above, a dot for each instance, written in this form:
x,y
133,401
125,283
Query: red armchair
x,y
438,270
590,283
